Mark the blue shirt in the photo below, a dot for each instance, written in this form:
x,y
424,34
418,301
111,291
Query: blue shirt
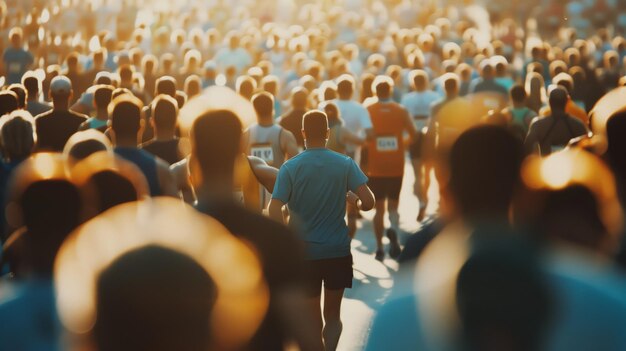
x,y
16,63
314,185
146,162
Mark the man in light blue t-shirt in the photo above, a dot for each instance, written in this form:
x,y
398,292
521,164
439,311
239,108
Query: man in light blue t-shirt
x,y
15,59
315,186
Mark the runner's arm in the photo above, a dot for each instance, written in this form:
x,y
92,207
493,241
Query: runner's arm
x,y
265,174
166,180
363,198
347,137
288,144
275,210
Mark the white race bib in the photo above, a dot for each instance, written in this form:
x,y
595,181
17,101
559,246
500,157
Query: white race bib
x,y
264,152
15,68
491,103
387,144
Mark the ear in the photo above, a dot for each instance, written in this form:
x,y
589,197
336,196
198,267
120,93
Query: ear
x,y
303,134
327,133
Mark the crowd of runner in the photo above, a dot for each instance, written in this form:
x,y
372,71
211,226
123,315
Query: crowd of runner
x,y
189,175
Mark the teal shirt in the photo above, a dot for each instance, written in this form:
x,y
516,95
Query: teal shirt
x,y
314,185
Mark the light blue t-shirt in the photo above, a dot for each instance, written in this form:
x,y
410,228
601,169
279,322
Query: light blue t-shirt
x,y
314,185
16,63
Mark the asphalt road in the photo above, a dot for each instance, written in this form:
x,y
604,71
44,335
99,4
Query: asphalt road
x,y
373,280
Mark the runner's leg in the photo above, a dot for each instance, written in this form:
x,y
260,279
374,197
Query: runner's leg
x,y
332,319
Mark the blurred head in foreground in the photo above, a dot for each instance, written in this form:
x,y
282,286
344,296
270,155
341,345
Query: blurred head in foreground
x,y
48,205
484,169
171,316
570,197
502,298
126,283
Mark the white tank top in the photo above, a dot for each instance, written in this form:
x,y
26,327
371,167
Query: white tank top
x,y
264,143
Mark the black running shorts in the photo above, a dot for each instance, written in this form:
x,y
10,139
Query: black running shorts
x,y
332,273
386,187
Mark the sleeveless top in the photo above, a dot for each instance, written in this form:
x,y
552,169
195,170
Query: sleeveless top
x,y
264,143
386,149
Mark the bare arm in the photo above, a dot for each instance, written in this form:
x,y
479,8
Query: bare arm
x,y
265,174
409,126
347,137
363,198
275,210
166,180
288,144
182,183
532,139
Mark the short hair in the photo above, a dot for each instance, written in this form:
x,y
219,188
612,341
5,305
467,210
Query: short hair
x,y
18,135
193,85
450,82
299,97
181,98
102,96
246,85
83,149
165,112
120,92
113,188
166,85
345,86
518,93
20,91
315,125
263,104
419,78
126,73
32,85
8,102
382,85
216,137
125,115
558,99
485,163
175,316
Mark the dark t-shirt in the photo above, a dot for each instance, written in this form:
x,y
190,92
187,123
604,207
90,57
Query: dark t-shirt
x,y
165,150
55,127
281,256
417,242
292,121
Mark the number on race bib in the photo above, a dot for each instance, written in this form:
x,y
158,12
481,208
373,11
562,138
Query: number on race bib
x,y
387,144
264,152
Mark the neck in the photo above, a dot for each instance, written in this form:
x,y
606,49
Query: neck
x,y
102,115
125,142
215,188
61,105
165,135
266,121
315,144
